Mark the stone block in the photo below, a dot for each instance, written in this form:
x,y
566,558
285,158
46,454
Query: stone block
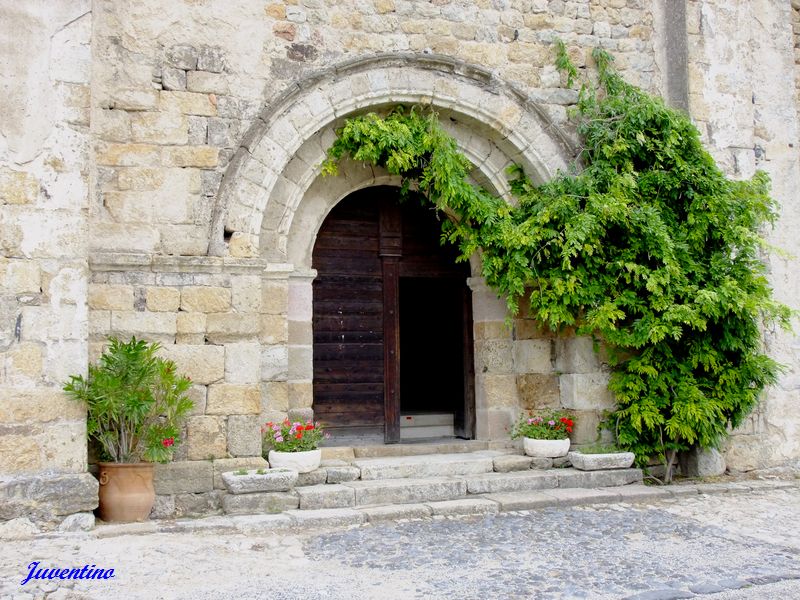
x,y
538,391
274,363
445,465
271,480
203,157
532,356
77,522
134,99
173,79
702,463
494,356
512,482
205,82
188,103
20,276
20,528
343,453
38,405
18,187
211,58
541,462
301,394
511,462
198,505
110,297
183,477
576,355
164,299
182,56
342,473
396,512
127,155
154,326
586,391
44,497
275,396
206,438
260,503
222,465
314,497
580,496
315,477
407,491
191,323
201,363
522,500
163,507
243,363
224,328
494,391
569,478
205,299
274,296
274,329
244,435
466,506
159,128
327,517
597,462
230,399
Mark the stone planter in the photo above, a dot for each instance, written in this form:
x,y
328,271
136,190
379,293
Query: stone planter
x,y
271,480
302,462
546,448
126,492
596,462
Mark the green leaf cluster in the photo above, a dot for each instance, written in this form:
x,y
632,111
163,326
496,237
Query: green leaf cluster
x,y
645,244
135,402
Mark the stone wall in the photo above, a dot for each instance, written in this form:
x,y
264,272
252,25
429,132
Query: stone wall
x,y
159,176
742,97
44,182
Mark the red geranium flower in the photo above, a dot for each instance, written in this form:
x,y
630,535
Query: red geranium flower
x,y
167,442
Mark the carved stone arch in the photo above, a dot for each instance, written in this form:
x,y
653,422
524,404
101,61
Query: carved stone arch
x,y
494,123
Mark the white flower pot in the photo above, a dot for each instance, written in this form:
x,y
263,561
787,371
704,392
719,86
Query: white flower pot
x,y
302,462
546,448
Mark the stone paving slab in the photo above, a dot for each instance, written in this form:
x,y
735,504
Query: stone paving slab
x,y
414,467
574,496
510,501
572,478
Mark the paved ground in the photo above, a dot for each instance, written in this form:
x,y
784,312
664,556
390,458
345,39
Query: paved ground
x,y
703,546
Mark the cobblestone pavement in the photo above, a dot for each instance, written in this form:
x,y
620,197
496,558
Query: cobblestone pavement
x,y
724,546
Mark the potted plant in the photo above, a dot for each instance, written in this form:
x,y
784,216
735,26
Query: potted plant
x,y
293,445
600,456
546,435
135,402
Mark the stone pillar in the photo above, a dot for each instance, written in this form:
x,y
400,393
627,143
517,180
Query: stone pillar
x,y
496,396
301,344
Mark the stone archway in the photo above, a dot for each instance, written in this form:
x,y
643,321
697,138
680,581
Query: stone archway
x,y
273,199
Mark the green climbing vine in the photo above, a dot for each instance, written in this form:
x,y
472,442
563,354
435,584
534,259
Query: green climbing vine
x,y
645,244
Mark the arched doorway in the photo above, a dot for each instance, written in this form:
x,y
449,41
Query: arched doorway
x,y
392,323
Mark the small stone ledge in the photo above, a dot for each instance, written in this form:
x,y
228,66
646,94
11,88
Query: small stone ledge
x,y
114,261
268,480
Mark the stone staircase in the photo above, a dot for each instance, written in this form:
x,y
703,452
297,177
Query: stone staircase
x,y
424,484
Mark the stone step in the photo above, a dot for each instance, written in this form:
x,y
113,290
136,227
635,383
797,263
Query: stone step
x,y
454,446
516,481
434,465
407,491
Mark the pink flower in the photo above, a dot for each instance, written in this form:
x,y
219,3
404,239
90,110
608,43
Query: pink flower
x,y
279,438
551,423
530,421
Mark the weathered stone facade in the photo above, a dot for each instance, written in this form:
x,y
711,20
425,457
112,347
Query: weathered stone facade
x,y
160,176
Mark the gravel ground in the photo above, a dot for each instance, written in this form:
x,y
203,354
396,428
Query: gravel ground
x,y
720,547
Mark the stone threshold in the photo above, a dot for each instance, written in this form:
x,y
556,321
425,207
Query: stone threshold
x,y
477,506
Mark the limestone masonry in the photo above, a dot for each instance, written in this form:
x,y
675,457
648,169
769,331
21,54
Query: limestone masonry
x,y
160,176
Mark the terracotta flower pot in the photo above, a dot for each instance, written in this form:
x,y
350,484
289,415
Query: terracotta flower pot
x,y
126,492
302,462
546,448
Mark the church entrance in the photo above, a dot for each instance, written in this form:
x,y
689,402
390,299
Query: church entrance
x,y
392,323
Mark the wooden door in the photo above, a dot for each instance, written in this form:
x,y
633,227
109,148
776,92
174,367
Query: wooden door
x,y
369,247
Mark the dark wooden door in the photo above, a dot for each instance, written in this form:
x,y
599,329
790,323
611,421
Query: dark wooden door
x,y
370,248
